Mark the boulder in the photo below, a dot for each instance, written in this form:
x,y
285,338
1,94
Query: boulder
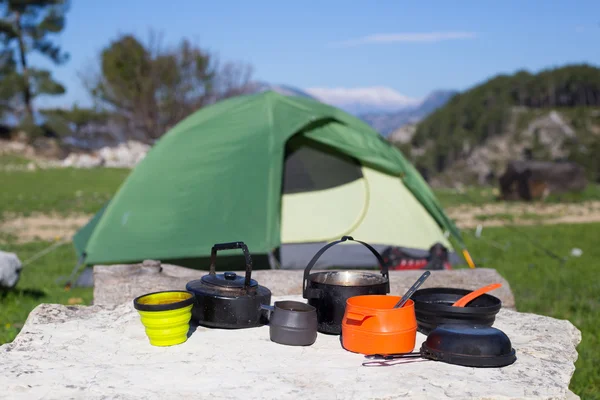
x,y
115,284
10,270
529,180
100,352
125,155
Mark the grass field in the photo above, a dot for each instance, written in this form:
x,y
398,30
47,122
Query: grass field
x,y
63,191
487,195
540,283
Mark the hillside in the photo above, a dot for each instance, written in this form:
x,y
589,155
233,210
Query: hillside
x,y
386,122
553,115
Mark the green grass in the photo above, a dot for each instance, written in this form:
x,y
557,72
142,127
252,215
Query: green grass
x,y
64,191
13,159
470,196
37,285
542,286
479,196
591,193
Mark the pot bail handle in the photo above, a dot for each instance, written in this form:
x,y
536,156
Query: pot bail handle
x,y
382,265
231,246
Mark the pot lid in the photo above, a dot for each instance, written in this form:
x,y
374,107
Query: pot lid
x,y
227,280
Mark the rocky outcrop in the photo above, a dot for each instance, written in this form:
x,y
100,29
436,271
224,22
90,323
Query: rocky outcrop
x,y
124,155
115,284
101,352
545,134
403,134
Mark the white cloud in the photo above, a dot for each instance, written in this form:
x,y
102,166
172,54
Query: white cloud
x,y
377,97
424,37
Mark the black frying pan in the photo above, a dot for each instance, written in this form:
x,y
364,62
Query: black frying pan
x,y
470,346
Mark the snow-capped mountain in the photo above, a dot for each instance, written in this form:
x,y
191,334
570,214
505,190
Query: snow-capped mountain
x,y
381,107
364,100
386,122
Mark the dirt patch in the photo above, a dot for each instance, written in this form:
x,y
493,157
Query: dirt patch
x,y
42,226
469,216
52,227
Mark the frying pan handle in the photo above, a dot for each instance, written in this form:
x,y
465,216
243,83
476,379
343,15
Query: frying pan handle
x,y
231,246
311,264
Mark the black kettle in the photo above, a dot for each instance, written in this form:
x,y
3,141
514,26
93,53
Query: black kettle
x,y
228,300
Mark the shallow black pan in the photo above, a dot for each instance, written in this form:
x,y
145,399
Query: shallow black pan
x,y
433,307
469,346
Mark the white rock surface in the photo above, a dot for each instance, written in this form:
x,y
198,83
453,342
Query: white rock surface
x,y
10,269
82,161
102,352
125,155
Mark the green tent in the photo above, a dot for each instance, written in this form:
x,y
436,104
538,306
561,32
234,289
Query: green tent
x,y
282,174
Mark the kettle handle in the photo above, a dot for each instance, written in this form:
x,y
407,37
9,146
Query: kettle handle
x,y
230,246
382,265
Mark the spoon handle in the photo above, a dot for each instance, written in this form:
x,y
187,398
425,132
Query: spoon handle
x,y
463,301
413,289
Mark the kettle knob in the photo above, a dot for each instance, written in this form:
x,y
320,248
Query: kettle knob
x,y
230,276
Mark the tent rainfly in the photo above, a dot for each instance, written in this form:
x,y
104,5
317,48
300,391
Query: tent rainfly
x,y
285,175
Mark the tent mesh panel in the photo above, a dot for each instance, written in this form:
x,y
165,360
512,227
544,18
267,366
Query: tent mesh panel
x,y
309,168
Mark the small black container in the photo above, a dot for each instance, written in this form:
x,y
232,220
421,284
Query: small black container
x,y
292,323
433,307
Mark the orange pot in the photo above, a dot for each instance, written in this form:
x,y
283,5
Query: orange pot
x,y
372,326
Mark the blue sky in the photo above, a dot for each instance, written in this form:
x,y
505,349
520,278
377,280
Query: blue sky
x,y
411,47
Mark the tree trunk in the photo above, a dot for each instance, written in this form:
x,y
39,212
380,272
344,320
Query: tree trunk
x,y
26,83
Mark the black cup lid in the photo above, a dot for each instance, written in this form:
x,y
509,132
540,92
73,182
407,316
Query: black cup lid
x,y
469,345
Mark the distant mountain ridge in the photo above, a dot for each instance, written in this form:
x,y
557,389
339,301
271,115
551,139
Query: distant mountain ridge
x,y
387,122
383,108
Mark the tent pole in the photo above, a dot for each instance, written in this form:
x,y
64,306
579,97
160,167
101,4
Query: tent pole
x,y
468,258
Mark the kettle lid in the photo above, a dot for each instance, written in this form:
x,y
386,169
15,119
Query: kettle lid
x,y
229,280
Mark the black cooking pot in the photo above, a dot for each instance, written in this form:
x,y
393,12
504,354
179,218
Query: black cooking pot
x,y
328,291
228,300
433,307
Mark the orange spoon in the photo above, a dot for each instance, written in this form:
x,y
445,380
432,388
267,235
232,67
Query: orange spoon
x,y
463,301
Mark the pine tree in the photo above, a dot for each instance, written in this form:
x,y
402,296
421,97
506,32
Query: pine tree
x,y
26,26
